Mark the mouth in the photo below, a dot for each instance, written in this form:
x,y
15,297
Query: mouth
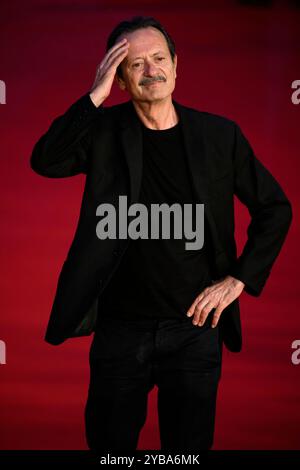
x,y
157,82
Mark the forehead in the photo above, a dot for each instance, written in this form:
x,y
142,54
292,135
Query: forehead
x,y
145,40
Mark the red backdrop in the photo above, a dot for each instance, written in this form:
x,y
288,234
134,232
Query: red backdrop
x,y
237,61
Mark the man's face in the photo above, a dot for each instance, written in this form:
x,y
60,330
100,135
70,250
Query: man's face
x,y
148,70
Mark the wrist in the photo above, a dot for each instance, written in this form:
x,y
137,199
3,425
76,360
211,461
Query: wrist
x,y
95,99
237,282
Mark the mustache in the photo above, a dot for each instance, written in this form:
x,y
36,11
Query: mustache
x,y
147,80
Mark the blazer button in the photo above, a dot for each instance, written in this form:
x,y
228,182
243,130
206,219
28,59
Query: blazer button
x,y
115,252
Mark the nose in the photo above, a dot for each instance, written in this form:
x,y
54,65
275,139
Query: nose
x,y
149,69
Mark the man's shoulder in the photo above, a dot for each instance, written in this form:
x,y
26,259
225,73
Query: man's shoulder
x,y
211,122
117,108
207,118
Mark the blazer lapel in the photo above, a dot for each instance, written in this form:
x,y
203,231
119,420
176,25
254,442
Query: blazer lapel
x,y
196,153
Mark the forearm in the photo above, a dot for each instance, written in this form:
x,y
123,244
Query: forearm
x,y
62,150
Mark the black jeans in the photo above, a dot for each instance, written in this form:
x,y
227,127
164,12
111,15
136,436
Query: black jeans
x,y
129,357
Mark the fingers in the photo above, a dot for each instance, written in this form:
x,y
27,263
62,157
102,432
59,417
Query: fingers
x,y
216,315
202,306
115,47
111,64
106,70
115,52
217,297
191,310
118,58
201,312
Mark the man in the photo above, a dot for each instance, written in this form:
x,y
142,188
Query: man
x,y
160,312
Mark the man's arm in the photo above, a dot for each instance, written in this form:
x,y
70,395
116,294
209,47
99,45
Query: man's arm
x,y
271,216
62,150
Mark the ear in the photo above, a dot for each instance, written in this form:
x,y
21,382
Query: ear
x,y
175,65
120,82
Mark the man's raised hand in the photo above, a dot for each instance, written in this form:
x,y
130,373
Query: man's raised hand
x,y
106,71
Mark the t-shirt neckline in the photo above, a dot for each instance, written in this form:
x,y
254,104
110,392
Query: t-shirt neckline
x,y
153,131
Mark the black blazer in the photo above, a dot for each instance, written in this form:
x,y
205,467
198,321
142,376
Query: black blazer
x,y
105,144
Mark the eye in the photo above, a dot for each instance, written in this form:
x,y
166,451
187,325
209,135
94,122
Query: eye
x,y
160,58
136,65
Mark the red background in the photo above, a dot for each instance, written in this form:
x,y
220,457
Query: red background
x,y
233,60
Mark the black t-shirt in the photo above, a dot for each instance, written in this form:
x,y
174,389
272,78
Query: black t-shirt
x,y
159,278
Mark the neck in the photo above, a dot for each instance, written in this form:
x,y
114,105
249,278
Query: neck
x,y
157,115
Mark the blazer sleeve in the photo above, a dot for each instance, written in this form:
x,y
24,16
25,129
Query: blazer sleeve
x,y
63,150
271,216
